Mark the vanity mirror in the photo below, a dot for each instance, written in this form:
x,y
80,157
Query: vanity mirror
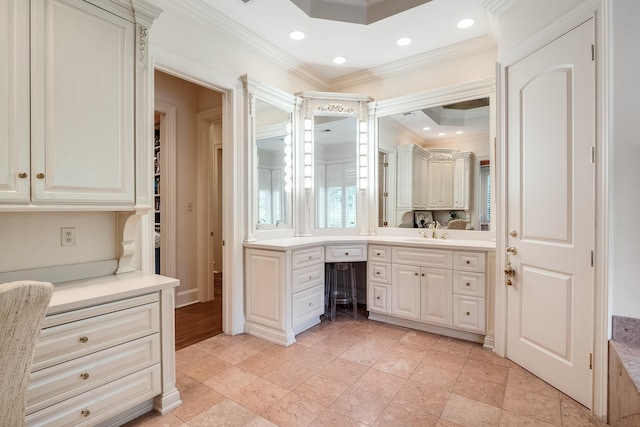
x,y
435,158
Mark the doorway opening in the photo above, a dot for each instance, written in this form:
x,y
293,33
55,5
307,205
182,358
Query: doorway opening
x,y
188,202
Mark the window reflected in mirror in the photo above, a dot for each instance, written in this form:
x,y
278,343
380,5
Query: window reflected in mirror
x,y
336,171
274,159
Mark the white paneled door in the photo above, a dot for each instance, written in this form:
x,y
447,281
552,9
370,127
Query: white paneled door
x,y
550,211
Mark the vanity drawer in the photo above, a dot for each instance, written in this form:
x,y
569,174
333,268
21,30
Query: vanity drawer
x,y
379,296
101,403
379,272
308,304
346,253
468,283
308,277
468,261
75,339
379,253
59,382
307,257
468,313
422,257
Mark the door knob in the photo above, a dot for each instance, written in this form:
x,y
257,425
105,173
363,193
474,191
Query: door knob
x,y
512,250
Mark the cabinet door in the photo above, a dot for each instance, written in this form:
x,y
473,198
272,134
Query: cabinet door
x,y
461,176
469,313
405,291
437,291
265,284
419,184
379,298
14,101
440,183
82,105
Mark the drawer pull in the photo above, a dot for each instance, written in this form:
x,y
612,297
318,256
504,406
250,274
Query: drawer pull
x,y
85,413
378,297
310,304
22,175
310,257
416,274
84,375
468,262
377,253
40,176
468,284
84,339
468,313
346,254
377,273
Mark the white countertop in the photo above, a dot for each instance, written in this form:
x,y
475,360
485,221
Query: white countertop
x,y
289,243
82,293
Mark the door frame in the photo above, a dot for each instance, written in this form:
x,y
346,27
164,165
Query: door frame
x,y
595,9
234,156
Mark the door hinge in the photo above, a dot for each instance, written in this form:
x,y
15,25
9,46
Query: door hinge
x,y
590,360
593,154
593,52
592,258
223,243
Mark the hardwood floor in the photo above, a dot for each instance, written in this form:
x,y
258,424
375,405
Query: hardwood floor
x,y
199,321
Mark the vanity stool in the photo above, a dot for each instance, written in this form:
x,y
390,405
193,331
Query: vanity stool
x,y
341,288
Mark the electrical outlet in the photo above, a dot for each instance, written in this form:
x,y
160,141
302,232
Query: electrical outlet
x,y
67,236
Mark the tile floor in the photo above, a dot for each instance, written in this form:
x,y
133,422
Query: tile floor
x,y
359,373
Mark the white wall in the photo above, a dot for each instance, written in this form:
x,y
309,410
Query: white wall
x,y
624,179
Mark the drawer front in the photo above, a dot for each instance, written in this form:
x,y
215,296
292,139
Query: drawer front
x,y
379,253
468,261
307,257
379,298
468,313
59,382
467,283
422,257
379,272
309,277
308,304
75,339
346,253
101,403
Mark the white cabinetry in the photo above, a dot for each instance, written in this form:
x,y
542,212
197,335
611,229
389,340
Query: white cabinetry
x,y
67,104
436,296
379,279
405,291
412,169
440,181
284,292
462,173
103,359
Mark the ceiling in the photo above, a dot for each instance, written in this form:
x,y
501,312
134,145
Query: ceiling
x,y
431,26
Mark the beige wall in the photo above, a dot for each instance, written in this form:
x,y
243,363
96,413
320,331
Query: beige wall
x,y
188,99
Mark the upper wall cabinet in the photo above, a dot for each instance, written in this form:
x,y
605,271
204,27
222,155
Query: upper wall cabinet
x,y
67,127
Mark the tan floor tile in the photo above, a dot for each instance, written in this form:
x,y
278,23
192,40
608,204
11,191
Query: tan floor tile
x,y
205,368
482,354
435,377
363,356
293,410
361,405
260,422
399,415
331,418
184,381
326,328
484,391
533,405
215,344
576,415
441,359
236,353
352,335
525,380
259,364
321,389
422,339
401,367
154,419
285,353
486,371
389,331
453,346
313,359
471,413
332,346
380,383
230,380
344,371
195,400
189,356
254,342
258,395
288,375
376,342
510,419
308,338
422,397
407,351
226,413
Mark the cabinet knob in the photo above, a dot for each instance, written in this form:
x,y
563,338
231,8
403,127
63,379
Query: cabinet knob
x,y
310,277
416,274
22,175
468,262
468,313
468,284
85,412
310,304
309,256
84,339
40,176
377,273
84,375
377,297
377,253
346,254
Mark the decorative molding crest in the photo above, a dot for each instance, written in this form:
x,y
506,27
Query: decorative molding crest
x,y
143,42
334,107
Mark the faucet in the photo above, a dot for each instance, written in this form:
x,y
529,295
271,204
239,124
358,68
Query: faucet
x,y
435,225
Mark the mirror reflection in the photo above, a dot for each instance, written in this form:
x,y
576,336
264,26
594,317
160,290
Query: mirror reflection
x,y
434,166
335,168
273,145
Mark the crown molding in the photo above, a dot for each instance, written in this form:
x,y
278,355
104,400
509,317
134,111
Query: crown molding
x,y
498,7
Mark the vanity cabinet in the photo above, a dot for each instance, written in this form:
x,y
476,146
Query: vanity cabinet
x,y
379,279
412,171
284,292
67,105
100,362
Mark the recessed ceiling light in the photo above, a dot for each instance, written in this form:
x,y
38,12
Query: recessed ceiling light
x,y
339,60
465,23
403,41
441,134
459,132
426,128
296,35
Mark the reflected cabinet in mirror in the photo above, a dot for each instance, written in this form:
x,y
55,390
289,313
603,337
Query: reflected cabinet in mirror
x,y
434,162
270,114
